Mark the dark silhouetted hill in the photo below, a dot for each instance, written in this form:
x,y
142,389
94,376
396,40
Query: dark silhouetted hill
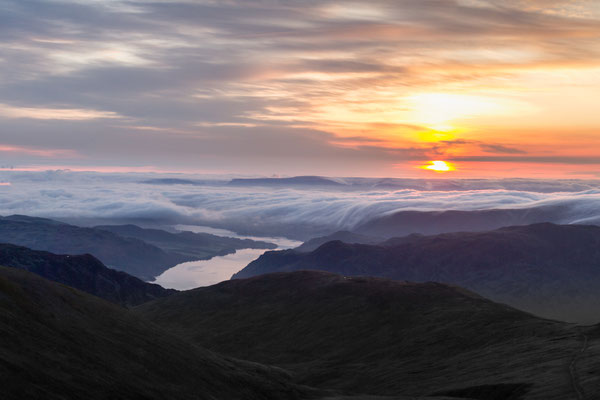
x,y
83,272
550,270
60,343
344,236
378,336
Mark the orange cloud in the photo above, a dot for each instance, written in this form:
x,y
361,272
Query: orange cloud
x,y
69,114
50,153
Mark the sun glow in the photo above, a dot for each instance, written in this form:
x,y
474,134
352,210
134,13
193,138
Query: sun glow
x,y
439,166
435,135
438,110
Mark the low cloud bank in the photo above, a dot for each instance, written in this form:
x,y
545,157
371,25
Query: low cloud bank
x,y
292,212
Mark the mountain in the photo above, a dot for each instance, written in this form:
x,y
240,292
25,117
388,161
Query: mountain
x,y
60,343
83,272
344,236
550,270
171,181
122,252
292,181
133,256
404,223
196,246
382,337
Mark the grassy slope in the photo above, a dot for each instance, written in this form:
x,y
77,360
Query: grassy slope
x,y
59,343
375,336
83,272
550,270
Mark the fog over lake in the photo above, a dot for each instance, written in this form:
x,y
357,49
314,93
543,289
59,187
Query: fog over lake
x,y
194,274
299,212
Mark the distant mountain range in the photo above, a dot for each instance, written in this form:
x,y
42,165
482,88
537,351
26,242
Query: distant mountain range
x,y
145,259
83,272
403,223
550,270
521,184
383,337
293,181
196,246
60,343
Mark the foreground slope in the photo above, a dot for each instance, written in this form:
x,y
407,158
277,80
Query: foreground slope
x,y
378,336
550,270
60,343
83,272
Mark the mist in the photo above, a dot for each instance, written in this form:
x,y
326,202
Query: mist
x,y
297,212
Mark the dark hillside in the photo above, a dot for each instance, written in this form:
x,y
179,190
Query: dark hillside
x,y
83,272
376,336
550,270
60,343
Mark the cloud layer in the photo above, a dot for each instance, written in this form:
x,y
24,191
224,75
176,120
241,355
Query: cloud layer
x,y
276,211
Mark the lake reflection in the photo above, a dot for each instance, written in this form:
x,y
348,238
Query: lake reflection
x,y
194,274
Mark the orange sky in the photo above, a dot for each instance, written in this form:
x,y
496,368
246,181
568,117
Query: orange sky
x,y
380,88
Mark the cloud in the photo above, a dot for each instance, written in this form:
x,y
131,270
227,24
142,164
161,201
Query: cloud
x,y
68,114
287,68
498,148
50,153
578,160
292,212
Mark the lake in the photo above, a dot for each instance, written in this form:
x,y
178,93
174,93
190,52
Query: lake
x,y
194,274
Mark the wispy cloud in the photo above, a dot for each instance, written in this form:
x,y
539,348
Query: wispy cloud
x,y
498,148
68,114
221,73
50,153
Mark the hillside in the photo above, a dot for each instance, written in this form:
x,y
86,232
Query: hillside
x,y
550,270
144,259
60,343
343,236
196,246
133,256
83,272
404,223
378,336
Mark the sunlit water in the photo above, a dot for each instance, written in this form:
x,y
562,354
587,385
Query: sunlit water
x,y
194,274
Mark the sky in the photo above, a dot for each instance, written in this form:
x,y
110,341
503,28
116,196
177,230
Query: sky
x,y
493,88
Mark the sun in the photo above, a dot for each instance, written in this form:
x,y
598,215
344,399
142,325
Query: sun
x,y
439,166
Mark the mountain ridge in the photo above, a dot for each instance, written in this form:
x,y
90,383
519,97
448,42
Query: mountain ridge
x,y
128,253
83,272
378,336
550,270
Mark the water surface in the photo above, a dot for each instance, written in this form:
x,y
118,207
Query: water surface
x,y
194,274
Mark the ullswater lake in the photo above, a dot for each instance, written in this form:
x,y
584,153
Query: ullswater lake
x,y
199,273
